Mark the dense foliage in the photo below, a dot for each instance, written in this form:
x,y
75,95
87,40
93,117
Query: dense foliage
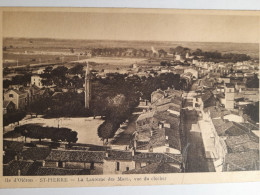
x,y
13,117
55,134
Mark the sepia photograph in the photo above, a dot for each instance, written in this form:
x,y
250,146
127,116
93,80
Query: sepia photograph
x,y
128,92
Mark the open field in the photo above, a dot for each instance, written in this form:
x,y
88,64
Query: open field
x,y
112,60
86,127
50,50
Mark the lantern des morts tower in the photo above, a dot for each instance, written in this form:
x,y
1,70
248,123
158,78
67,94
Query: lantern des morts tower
x,y
87,87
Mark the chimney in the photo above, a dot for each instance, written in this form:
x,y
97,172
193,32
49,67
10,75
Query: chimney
x,y
43,163
106,154
19,172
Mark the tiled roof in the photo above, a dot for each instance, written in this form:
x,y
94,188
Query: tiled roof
x,y
60,171
243,161
206,96
155,168
25,167
145,115
224,128
76,156
158,138
119,155
158,157
242,143
16,91
173,100
158,91
173,133
14,146
8,156
174,92
37,153
216,112
250,126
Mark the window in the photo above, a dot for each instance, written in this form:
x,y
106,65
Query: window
x,y
60,164
11,95
117,166
127,168
92,165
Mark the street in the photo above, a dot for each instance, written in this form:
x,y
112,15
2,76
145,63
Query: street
x,y
196,160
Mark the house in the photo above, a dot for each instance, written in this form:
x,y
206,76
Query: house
x,y
8,106
204,100
193,72
118,161
242,143
76,159
36,80
157,95
243,161
158,132
156,163
33,93
19,98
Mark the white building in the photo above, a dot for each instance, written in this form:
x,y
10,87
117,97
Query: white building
x,y
37,81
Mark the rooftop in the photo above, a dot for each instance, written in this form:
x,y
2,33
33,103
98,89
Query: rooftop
x,y
244,161
76,156
158,157
242,143
119,155
36,153
155,168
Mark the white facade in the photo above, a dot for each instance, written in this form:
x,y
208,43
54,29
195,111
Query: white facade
x,y
37,81
192,71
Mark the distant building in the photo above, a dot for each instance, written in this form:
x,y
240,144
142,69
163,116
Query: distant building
x,y
37,81
157,95
17,97
229,96
193,72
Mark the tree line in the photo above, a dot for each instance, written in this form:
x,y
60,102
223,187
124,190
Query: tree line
x,y
39,132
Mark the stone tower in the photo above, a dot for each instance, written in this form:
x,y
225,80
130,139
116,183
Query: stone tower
x,y
229,96
87,87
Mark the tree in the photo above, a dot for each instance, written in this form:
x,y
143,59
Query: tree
x,y
77,69
39,106
252,111
48,70
72,138
106,130
13,117
6,83
253,82
60,71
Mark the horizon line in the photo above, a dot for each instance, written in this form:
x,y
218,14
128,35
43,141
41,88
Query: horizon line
x,y
4,37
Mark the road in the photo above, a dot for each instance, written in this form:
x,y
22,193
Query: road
x,y
196,158
124,137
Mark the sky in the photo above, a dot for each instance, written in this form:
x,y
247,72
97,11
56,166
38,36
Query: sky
x,y
132,26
